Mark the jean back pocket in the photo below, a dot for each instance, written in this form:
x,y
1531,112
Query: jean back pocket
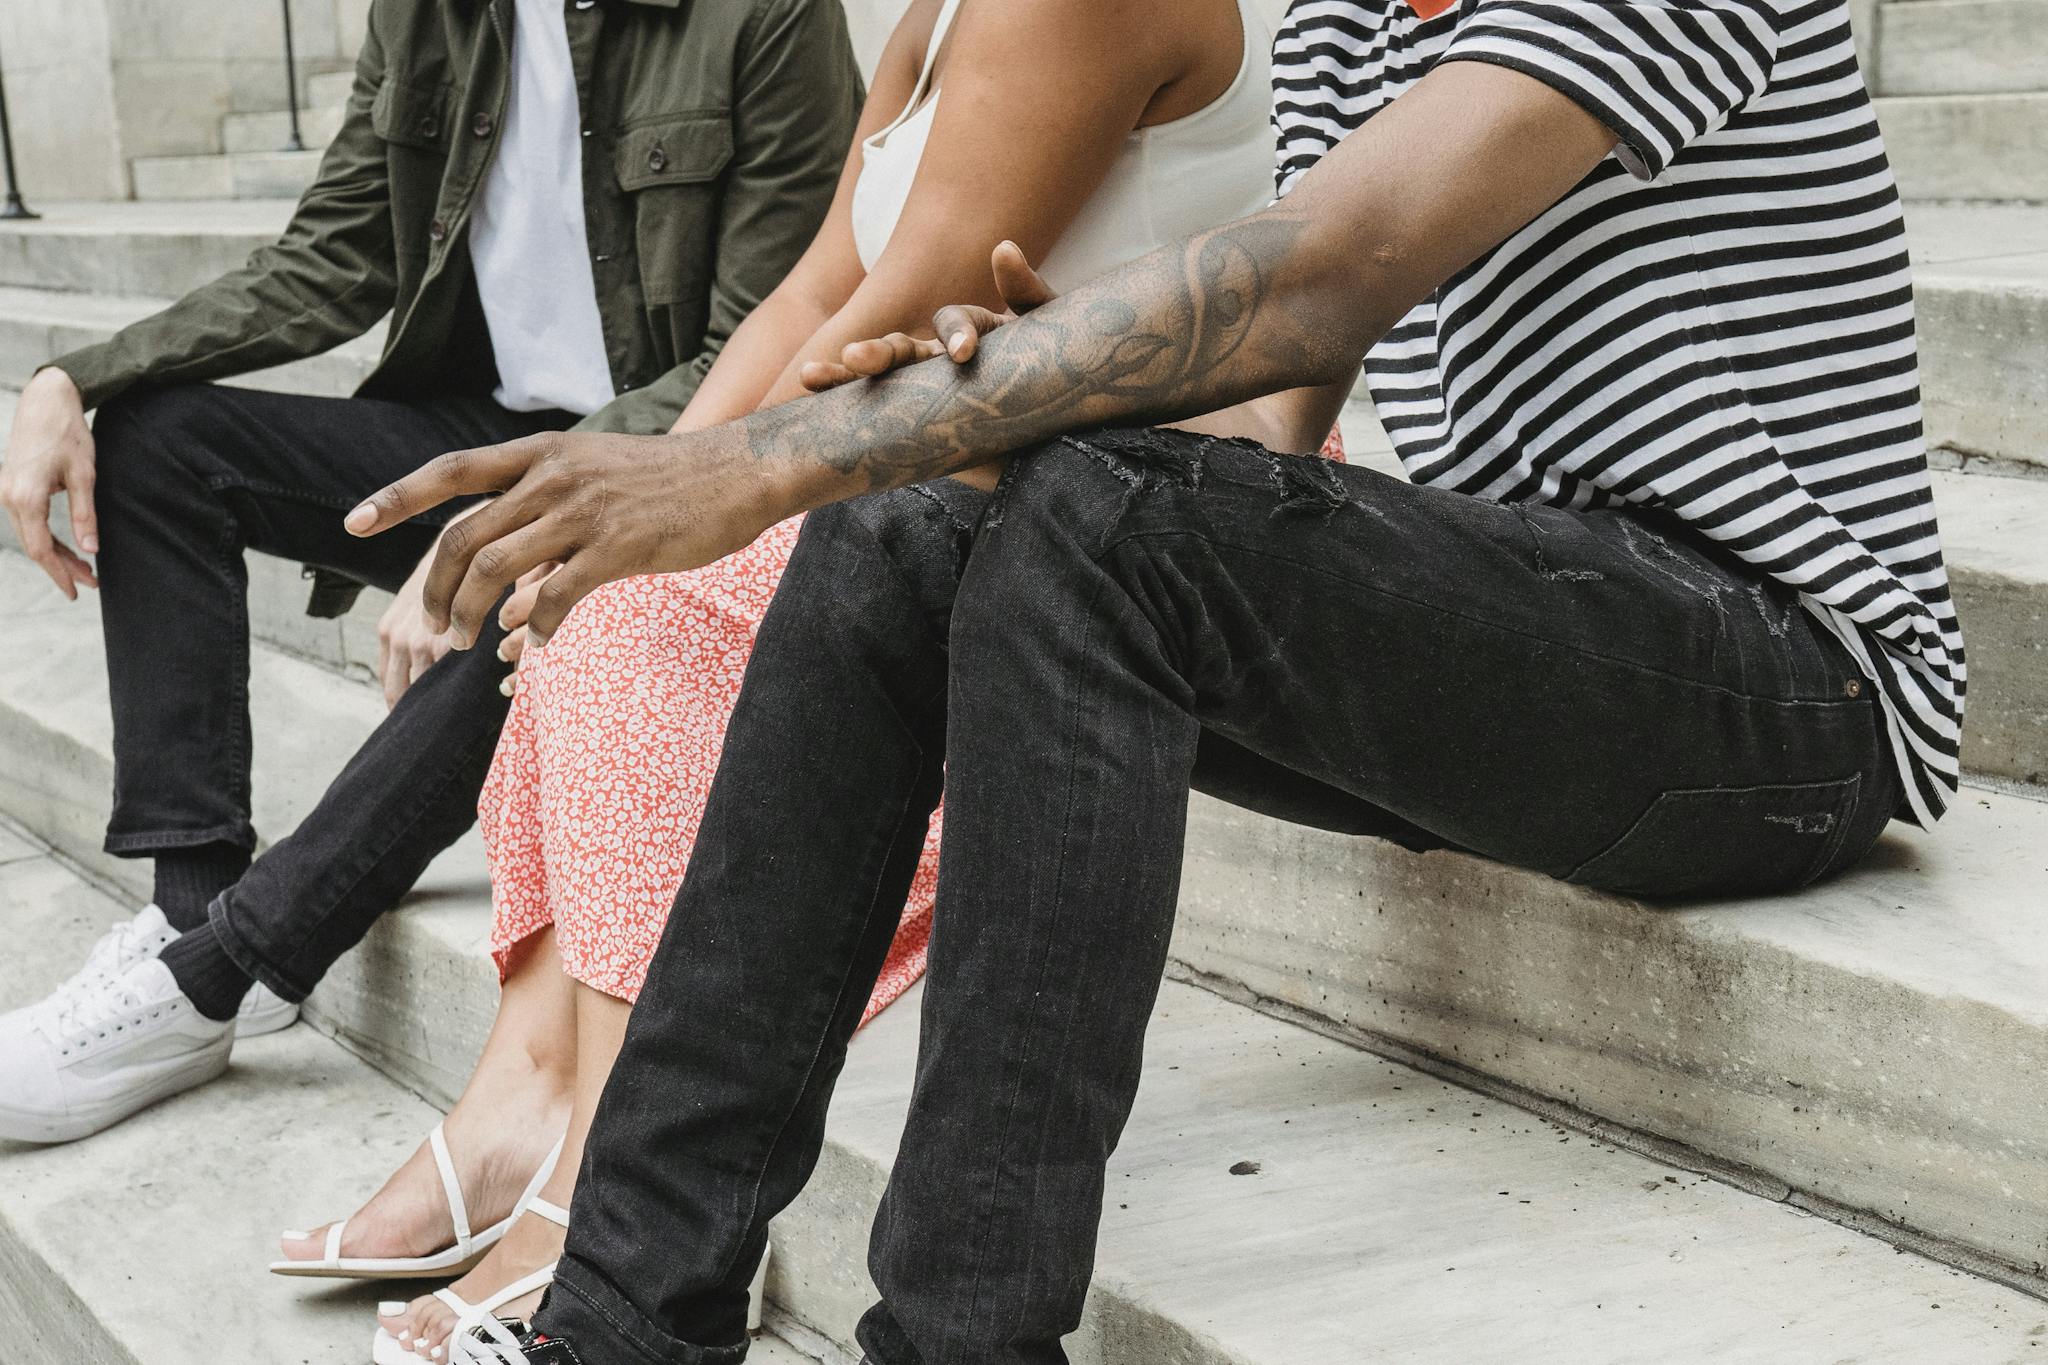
x,y
1727,841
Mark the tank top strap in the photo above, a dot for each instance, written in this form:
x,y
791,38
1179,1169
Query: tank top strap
x,y
940,28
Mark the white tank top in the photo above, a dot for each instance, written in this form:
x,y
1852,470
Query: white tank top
x,y
1169,180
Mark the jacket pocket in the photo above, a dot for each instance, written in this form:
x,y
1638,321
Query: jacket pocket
x,y
411,115
1725,841
671,167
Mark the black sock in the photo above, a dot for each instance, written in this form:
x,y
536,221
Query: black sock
x,y
187,880
205,972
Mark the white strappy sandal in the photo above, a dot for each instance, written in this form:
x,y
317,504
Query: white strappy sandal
x,y
479,1337
467,1250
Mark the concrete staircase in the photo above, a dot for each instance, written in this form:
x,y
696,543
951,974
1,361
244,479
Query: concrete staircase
x,y
250,164
1456,1080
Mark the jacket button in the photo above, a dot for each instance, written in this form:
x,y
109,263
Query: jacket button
x,y
437,231
657,158
430,127
481,125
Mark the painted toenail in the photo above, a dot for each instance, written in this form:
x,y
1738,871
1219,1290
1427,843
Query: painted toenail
x,y
296,1236
390,1308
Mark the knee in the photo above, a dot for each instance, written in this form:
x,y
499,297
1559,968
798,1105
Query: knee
x,y
908,543
139,436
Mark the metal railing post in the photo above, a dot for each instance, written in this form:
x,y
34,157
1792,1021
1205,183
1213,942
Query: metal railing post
x,y
291,82
14,208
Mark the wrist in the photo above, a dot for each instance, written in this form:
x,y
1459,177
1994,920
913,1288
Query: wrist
x,y
50,384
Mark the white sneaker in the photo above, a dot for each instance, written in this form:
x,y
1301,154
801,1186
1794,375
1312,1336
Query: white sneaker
x,y
117,1044
147,935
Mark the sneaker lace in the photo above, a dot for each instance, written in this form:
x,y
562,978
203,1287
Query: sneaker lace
x,y
94,1002
118,949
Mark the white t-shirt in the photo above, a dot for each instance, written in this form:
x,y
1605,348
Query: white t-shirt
x,y
527,239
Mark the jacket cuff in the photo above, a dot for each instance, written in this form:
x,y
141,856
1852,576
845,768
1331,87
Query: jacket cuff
x,y
97,370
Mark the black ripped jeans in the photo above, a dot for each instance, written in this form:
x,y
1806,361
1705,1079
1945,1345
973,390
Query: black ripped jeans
x,y
1598,696
190,477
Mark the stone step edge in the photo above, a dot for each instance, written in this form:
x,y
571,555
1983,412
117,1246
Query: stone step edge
x,y
841,1227
2031,1281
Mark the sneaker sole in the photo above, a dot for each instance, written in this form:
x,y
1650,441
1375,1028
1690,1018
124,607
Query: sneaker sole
x,y
24,1125
275,1019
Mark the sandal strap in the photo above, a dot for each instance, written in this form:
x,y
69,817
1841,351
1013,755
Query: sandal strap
x,y
451,1185
549,1210
519,1288
479,1335
332,1252
488,1342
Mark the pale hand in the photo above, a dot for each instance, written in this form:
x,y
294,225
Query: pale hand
x,y
407,643
50,451
960,327
518,610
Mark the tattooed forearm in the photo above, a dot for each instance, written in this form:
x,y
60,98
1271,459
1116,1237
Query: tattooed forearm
x,y
1191,328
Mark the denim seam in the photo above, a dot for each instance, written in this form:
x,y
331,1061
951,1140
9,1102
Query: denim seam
x,y
811,1071
371,859
240,833
629,1334
223,482
1826,703
1048,938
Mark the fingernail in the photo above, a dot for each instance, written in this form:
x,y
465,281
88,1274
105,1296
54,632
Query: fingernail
x,y
390,1308
505,688
534,641
91,544
959,340
503,657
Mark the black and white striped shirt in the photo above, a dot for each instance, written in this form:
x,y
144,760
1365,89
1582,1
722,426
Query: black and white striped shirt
x,y
1718,321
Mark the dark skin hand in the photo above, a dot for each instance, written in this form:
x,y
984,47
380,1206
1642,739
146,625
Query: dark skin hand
x,y
1284,299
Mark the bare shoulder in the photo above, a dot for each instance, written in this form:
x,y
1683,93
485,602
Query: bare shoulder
x,y
1155,40
908,40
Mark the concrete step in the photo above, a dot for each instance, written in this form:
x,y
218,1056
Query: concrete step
x,y
1977,147
37,325
1963,47
1981,295
1874,1045
237,175
147,1245
271,131
157,251
1373,1182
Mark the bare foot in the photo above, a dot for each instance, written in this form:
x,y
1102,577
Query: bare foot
x,y
425,1324
498,1134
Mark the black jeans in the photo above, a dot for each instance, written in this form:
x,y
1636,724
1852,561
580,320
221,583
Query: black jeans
x,y
1594,695
189,478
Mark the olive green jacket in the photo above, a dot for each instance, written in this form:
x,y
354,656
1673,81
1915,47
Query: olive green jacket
x,y
714,131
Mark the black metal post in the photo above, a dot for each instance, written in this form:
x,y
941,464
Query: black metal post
x,y
14,207
291,82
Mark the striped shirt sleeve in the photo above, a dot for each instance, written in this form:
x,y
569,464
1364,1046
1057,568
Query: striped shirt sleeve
x,y
1661,74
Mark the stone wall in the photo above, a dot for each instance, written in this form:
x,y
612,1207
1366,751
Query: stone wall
x,y
94,83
